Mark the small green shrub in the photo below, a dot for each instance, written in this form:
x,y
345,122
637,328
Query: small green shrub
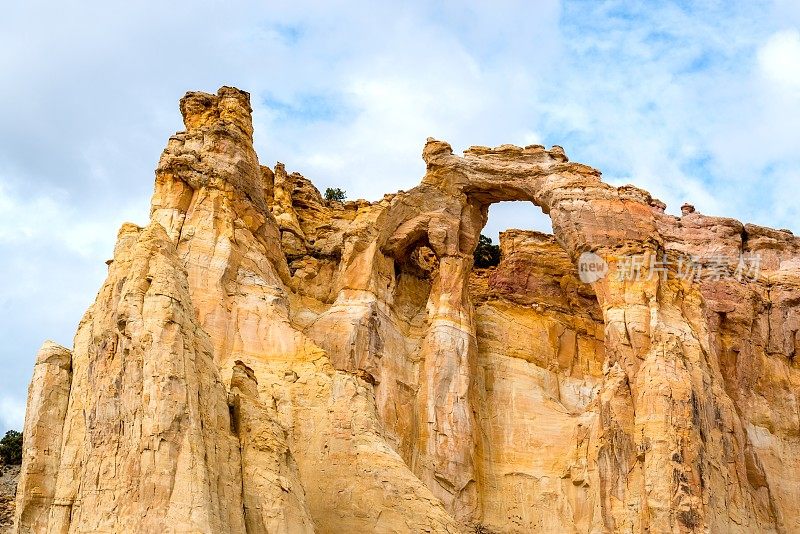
x,y
334,193
486,254
11,448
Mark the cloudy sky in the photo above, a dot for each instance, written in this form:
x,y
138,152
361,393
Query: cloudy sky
x,y
694,101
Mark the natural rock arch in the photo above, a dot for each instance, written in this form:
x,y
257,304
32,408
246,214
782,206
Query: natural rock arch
x,y
249,294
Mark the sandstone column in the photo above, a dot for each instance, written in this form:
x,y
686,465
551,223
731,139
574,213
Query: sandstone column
x,y
48,397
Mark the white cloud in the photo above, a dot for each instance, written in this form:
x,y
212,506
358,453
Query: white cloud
x,y
779,59
48,217
12,413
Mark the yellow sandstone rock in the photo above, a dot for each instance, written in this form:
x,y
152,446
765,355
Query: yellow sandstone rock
x,y
261,360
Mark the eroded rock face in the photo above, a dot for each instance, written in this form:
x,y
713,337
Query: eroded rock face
x,y
262,360
48,398
9,475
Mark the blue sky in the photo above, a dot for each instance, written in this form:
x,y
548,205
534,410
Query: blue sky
x,y
695,101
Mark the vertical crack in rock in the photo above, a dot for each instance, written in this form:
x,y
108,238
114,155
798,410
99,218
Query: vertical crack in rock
x,y
273,496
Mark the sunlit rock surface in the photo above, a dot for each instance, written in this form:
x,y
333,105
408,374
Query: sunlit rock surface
x,y
262,360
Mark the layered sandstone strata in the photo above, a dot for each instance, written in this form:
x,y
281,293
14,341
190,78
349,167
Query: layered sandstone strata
x,y
262,360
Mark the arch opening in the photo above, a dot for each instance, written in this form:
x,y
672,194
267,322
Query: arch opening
x,y
516,214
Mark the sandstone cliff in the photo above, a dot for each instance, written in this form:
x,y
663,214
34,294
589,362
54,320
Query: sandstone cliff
x,y
262,360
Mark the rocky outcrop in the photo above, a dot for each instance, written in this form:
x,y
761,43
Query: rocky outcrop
x,y
263,360
48,397
9,475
